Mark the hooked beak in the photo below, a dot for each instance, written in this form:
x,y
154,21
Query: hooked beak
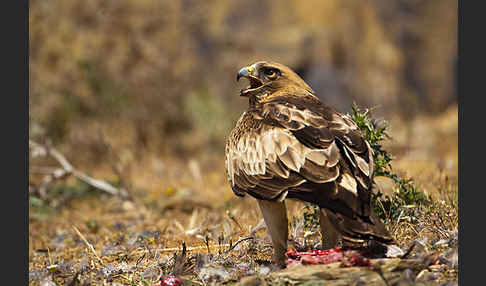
x,y
242,73
252,75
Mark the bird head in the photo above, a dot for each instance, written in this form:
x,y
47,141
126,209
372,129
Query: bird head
x,y
270,79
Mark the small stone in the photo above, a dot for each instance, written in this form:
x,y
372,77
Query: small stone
x,y
128,206
408,275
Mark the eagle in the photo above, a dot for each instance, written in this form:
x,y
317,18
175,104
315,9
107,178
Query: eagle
x,y
290,145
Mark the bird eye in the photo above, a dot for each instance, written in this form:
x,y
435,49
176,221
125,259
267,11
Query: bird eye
x,y
271,73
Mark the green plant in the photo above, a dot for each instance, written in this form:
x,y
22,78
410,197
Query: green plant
x,y
311,217
407,197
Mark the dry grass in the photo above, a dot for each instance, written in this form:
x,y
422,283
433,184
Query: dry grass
x,y
176,202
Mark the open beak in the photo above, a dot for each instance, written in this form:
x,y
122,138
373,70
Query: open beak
x,y
252,75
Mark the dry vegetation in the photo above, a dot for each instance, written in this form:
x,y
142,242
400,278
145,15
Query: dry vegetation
x,y
174,203
142,94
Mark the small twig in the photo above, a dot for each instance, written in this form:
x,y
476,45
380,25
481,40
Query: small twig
x,y
140,260
102,185
42,170
220,242
179,261
49,256
61,159
407,253
117,168
261,224
68,169
232,217
206,240
438,228
236,243
90,247
412,227
170,249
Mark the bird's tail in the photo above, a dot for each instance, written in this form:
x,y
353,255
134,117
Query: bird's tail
x,y
369,232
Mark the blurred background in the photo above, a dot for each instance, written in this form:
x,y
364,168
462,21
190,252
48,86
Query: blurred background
x,y
142,94
149,83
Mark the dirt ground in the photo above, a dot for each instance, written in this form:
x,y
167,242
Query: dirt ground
x,y
176,202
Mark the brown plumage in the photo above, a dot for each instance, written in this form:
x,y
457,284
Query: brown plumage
x,y
288,144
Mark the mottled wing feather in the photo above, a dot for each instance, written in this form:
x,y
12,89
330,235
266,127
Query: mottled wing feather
x,y
289,143
271,158
318,125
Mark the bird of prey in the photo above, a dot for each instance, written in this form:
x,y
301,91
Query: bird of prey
x,y
290,145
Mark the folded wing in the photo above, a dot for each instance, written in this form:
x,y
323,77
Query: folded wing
x,y
304,150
